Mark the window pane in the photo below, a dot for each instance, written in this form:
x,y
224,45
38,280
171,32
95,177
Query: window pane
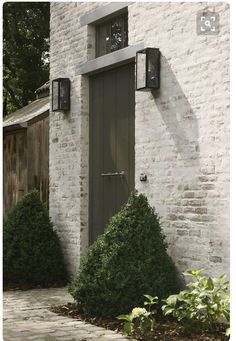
x,y
103,40
112,35
117,34
126,30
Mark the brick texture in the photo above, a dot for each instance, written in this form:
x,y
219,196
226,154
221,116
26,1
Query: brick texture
x,y
181,130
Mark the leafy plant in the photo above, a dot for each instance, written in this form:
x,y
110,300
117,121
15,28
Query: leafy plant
x,y
203,305
140,318
152,300
130,258
32,254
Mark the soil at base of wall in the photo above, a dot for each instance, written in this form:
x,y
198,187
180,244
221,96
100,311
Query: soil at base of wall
x,y
166,330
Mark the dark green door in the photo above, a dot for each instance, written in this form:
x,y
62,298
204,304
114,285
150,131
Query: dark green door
x,y
111,144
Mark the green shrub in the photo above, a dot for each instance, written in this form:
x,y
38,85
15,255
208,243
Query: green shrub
x,y
129,259
199,308
32,254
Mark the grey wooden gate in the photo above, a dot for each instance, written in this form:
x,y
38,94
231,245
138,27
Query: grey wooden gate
x,y
111,144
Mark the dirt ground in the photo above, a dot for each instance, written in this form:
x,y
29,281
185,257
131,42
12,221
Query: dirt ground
x,y
165,330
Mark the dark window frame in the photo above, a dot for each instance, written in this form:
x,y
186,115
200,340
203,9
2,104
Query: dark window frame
x,y
104,47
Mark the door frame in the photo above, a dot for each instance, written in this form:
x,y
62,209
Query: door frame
x,y
90,215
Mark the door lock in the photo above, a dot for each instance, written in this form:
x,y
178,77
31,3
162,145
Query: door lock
x,y
143,177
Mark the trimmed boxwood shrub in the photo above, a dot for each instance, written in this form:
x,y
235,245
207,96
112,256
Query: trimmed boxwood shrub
x,y
125,262
32,254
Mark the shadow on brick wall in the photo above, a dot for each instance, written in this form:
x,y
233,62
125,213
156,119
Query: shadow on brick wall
x,y
178,117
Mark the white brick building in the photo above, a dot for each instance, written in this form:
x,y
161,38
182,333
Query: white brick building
x,y
181,131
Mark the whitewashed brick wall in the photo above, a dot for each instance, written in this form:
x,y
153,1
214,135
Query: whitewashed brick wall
x,y
181,131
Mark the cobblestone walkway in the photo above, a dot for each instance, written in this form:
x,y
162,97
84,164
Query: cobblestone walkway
x,y
26,317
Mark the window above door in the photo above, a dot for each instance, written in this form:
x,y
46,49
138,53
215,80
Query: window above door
x,y
112,35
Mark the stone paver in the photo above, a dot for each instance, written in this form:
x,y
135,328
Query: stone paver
x,y
26,317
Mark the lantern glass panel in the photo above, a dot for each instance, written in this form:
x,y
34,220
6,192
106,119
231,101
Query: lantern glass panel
x,y
63,96
55,92
141,70
152,77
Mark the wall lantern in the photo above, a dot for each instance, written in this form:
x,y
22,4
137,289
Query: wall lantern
x,y
148,69
61,94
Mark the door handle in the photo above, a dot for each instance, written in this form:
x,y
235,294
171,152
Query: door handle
x,y
122,173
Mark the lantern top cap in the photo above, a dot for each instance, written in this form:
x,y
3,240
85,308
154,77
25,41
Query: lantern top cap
x,y
60,79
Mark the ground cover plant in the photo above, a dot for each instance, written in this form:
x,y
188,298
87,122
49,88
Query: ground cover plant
x,y
127,260
140,318
32,253
165,328
200,308
203,305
